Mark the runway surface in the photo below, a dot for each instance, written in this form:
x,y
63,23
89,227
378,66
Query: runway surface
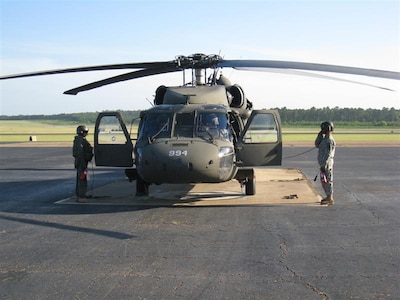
x,y
282,251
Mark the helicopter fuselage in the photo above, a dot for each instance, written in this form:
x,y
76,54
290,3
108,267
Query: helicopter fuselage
x,y
184,144
193,134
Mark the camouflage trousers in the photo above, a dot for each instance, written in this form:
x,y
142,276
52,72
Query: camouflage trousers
x,y
328,186
81,181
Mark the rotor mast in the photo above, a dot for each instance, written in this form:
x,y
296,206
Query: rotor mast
x,y
198,63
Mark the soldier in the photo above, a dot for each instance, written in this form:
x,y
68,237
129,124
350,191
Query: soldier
x,y
83,153
210,124
326,152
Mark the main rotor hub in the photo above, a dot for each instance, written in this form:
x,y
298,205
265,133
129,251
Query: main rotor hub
x,y
197,61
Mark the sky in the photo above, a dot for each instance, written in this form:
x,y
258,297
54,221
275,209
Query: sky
x,y
41,35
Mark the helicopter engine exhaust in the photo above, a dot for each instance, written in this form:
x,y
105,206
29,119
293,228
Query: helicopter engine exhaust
x,y
160,93
238,97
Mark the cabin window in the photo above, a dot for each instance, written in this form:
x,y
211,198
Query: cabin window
x,y
110,131
262,129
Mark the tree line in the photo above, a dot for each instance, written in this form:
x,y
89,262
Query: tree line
x,y
72,118
291,117
343,116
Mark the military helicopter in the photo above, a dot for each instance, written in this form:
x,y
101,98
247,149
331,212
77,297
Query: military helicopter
x,y
203,131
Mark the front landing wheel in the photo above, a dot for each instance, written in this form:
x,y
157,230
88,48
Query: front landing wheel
x,y
142,187
250,186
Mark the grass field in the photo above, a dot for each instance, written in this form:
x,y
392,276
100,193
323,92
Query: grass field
x,y
372,135
22,131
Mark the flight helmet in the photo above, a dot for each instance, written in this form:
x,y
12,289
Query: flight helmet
x,y
326,126
81,129
211,120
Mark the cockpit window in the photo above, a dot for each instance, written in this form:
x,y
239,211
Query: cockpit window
x,y
183,126
214,125
156,125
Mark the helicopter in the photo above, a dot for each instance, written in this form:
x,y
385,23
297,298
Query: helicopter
x,y
203,131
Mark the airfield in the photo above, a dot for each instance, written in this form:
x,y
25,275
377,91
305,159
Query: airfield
x,y
203,241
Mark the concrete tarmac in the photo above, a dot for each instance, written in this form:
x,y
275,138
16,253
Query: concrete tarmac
x,y
273,187
283,251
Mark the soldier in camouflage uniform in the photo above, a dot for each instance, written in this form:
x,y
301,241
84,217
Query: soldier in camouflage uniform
x,y
82,151
326,151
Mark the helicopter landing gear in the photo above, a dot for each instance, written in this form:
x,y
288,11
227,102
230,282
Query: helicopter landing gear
x,y
247,178
250,186
142,187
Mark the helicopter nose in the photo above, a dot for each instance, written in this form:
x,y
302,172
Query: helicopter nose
x,y
185,162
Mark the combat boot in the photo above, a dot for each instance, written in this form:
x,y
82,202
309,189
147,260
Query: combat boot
x,y
82,200
328,200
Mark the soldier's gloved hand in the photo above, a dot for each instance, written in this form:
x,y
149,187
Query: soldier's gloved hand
x,y
319,139
323,169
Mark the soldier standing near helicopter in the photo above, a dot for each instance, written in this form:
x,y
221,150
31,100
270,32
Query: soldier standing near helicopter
x,y
326,151
83,153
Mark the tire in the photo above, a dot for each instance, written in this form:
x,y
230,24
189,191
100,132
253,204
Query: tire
x,y
142,187
251,187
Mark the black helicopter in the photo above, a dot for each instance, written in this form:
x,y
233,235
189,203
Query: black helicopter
x,y
204,131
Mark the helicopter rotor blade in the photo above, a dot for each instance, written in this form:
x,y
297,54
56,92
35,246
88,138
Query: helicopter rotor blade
x,y
213,61
308,74
122,77
147,65
201,61
259,64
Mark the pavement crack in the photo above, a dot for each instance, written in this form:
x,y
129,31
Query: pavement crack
x,y
284,250
358,200
317,290
283,247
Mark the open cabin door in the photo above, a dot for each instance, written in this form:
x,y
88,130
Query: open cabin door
x,y
260,143
112,143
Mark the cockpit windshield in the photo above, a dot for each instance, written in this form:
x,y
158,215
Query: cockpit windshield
x,y
213,125
207,125
183,125
156,125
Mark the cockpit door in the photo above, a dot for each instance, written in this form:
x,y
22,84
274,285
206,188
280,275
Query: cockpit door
x,y
260,143
112,143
